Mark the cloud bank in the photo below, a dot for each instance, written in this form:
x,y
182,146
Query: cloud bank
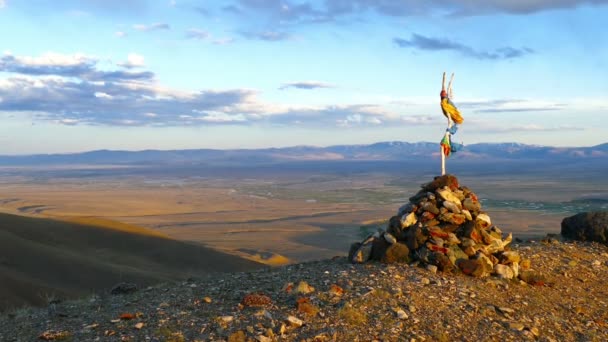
x,y
71,90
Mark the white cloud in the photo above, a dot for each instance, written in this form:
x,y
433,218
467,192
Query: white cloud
x,y
120,34
151,27
133,61
306,85
102,95
2,4
52,59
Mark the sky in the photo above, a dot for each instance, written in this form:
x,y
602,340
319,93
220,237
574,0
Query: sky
x,y
180,74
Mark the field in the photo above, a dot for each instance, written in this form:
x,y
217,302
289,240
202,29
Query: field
x,y
286,213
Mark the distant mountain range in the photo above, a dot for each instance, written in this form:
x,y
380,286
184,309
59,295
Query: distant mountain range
x,y
382,151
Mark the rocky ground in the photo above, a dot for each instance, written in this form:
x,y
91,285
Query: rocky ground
x,y
333,300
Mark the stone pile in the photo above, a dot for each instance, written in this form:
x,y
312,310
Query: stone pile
x,y
443,227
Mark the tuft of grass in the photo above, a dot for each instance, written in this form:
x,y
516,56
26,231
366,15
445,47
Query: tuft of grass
x,y
353,316
169,334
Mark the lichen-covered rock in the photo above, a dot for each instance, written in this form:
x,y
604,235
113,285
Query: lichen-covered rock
x,y
396,252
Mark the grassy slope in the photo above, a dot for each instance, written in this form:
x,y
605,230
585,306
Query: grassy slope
x,y
41,258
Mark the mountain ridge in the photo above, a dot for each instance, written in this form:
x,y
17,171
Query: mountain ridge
x,y
387,150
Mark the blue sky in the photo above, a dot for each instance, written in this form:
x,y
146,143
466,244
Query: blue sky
x,y
135,74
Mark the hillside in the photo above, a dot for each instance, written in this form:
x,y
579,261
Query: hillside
x,y
41,258
332,300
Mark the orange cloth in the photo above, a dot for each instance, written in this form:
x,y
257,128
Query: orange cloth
x,y
448,108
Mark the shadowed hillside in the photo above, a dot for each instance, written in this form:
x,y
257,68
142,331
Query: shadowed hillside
x,y
44,258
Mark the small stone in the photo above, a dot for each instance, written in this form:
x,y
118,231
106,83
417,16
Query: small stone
x,y
425,281
485,220
535,331
262,338
467,214
471,205
503,271
335,290
238,336
447,195
504,310
390,238
596,263
303,288
451,206
227,319
431,268
207,300
256,300
401,314
509,257
412,308
516,326
408,220
139,325
294,321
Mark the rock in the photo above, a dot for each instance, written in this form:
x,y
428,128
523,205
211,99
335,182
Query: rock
x,y
379,248
509,257
586,226
408,220
227,319
123,288
262,338
401,314
303,288
363,254
467,214
451,206
503,271
335,291
484,220
471,205
256,300
448,195
397,252
532,278
516,326
139,325
425,281
390,238
238,336
394,227
405,209
449,181
429,207
471,267
294,321
431,268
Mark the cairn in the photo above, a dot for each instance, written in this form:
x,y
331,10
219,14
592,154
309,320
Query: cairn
x,y
443,225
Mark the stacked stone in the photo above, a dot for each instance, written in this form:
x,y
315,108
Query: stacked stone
x,y
442,225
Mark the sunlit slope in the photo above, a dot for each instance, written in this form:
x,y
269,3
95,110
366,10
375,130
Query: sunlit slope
x,y
44,258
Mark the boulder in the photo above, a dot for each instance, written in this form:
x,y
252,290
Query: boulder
x,y
587,226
